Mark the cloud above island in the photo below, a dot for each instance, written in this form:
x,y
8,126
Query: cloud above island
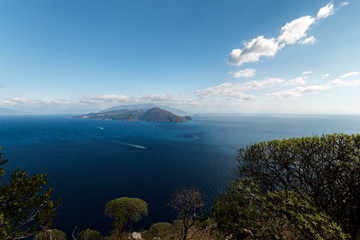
x,y
246,73
225,95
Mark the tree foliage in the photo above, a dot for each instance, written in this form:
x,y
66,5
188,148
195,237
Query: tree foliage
x,y
160,230
25,208
188,203
245,213
125,211
51,234
325,168
90,234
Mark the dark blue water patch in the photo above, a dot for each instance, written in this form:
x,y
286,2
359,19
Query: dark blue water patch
x,y
192,135
92,162
87,174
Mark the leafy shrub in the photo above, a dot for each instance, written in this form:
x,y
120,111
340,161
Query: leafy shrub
x,y
52,234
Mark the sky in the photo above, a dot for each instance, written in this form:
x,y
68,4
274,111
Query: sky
x,y
203,56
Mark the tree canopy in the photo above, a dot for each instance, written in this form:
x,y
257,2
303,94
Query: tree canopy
x,y
125,211
245,213
25,207
325,168
188,203
51,234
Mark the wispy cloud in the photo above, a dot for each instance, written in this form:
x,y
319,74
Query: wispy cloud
x,y
220,97
236,91
99,102
294,93
297,81
297,92
310,40
291,33
350,74
246,73
326,75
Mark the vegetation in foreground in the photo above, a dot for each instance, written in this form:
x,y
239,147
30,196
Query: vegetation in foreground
x,y
299,188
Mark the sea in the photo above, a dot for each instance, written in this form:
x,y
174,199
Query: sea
x,y
90,162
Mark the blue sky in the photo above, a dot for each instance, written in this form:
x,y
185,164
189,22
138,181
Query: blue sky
x,y
248,56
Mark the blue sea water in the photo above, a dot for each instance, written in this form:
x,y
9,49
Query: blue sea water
x,y
90,162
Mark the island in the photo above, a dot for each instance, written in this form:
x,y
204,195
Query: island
x,y
154,114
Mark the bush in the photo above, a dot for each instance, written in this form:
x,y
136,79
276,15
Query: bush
x,y
52,234
161,230
89,234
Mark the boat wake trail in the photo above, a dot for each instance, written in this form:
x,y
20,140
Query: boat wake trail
x,y
133,145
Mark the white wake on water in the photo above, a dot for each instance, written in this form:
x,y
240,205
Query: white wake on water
x,y
133,145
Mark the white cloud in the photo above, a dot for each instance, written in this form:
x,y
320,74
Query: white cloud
x,y
326,75
97,102
295,30
342,83
344,4
16,101
230,91
307,72
226,91
310,40
326,11
253,50
249,72
350,74
296,81
267,83
294,93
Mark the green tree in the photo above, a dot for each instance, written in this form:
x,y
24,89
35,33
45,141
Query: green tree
x,y
325,168
89,234
188,203
51,234
162,230
25,208
245,213
125,211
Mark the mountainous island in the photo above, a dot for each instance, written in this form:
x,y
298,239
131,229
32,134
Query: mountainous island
x,y
154,114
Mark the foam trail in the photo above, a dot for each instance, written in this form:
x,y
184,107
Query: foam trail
x,y
100,128
133,145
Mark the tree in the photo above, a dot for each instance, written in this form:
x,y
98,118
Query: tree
x,y
89,234
161,230
245,213
125,211
325,168
51,234
188,204
25,208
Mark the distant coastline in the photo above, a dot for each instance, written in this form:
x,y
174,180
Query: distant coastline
x,y
154,114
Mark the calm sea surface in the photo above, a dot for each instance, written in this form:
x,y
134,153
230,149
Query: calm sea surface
x,y
90,162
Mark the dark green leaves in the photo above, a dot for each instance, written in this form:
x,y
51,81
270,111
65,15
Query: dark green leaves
x,y
25,208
